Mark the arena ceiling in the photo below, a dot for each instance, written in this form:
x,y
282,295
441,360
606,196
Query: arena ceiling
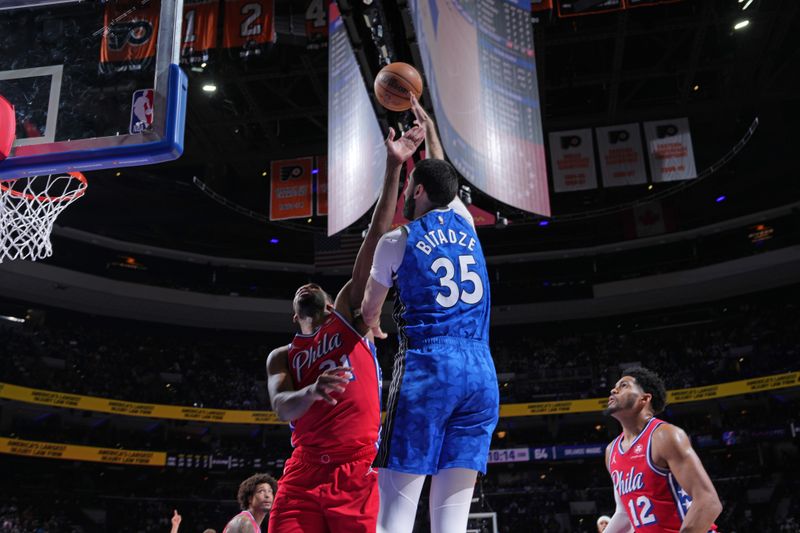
x,y
678,59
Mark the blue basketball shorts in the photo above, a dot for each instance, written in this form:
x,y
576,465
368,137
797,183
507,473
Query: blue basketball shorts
x,y
443,407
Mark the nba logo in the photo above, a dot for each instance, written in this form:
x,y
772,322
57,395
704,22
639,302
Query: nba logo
x,y
141,111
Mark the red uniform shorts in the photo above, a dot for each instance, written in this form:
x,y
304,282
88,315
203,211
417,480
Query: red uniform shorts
x,y
322,493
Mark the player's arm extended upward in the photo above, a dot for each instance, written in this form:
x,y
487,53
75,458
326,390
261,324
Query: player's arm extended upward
x,y
291,404
397,152
672,446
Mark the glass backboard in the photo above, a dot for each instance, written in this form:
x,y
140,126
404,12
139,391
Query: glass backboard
x,y
95,84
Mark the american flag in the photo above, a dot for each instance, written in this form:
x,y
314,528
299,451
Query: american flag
x,y
337,251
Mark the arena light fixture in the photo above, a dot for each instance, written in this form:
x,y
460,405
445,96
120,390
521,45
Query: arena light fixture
x,y
544,223
721,198
209,87
274,241
746,5
741,24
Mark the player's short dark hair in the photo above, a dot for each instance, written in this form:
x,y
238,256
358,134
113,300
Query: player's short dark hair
x,y
248,487
652,384
438,178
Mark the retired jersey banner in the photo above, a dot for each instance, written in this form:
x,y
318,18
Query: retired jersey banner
x,y
317,24
621,155
290,189
249,24
72,452
130,35
570,8
669,147
322,185
199,32
572,159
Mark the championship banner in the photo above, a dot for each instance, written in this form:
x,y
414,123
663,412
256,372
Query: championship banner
x,y
572,160
541,5
322,185
199,32
669,147
290,189
621,155
571,8
120,407
73,452
249,24
130,35
317,24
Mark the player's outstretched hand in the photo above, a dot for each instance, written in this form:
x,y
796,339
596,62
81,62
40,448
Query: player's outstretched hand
x,y
398,150
422,117
378,333
330,381
176,521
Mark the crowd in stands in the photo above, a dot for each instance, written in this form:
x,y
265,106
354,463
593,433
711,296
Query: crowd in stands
x,y
160,364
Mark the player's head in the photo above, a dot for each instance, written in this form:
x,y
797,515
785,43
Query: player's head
x,y
310,300
638,389
209,531
602,523
433,183
257,492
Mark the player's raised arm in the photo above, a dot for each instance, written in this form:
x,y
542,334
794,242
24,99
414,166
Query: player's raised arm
x,y
397,152
672,445
433,146
291,404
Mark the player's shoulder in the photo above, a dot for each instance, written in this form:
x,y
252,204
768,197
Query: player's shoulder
x,y
239,524
667,438
278,358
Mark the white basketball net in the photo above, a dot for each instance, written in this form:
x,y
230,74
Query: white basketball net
x,y
28,208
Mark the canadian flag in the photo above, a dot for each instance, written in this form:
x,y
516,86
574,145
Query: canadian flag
x,y
649,219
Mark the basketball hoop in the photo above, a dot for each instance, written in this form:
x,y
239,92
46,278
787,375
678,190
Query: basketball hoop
x,y
28,209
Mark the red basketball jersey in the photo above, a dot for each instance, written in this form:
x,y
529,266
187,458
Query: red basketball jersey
x,y
354,422
652,497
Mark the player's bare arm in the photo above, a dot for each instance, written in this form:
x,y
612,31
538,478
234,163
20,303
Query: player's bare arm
x,y
672,449
433,146
620,522
374,297
240,524
291,404
397,152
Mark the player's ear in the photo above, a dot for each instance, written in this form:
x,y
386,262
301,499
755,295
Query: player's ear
x,y
295,319
647,397
418,190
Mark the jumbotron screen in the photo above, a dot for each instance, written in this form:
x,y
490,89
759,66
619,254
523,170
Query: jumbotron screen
x,y
356,152
480,66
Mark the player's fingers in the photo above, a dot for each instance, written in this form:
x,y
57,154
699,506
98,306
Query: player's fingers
x,y
332,380
338,370
390,138
327,397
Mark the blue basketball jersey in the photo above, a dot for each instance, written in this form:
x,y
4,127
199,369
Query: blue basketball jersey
x,y
442,284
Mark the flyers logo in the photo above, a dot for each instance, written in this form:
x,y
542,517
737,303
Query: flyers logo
x,y
291,172
134,33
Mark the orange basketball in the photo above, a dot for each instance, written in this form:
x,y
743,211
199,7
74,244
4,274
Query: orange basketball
x,y
394,84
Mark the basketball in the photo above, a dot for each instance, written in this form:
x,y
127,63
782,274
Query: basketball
x,y
394,83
